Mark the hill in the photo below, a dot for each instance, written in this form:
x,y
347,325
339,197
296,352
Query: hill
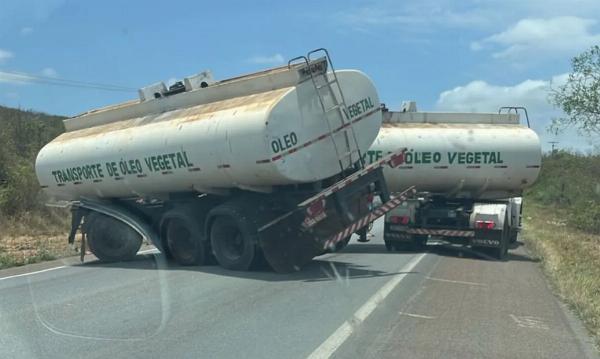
x,y
562,227
30,230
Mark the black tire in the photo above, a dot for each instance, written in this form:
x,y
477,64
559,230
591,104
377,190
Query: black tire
x,y
183,238
419,242
389,246
415,244
514,236
233,245
111,240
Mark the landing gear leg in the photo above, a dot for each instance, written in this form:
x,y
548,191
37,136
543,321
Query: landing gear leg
x,y
362,234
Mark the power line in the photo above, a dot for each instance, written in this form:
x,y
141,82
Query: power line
x,y
54,81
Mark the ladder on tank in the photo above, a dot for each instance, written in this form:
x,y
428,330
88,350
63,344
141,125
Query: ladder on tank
x,y
509,109
335,111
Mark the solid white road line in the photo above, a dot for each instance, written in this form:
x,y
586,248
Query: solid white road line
x,y
335,340
60,267
32,273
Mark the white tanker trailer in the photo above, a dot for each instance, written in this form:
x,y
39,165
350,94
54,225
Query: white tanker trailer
x,y
469,169
239,168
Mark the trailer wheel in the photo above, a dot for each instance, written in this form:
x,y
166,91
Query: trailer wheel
x,y
184,239
111,240
233,245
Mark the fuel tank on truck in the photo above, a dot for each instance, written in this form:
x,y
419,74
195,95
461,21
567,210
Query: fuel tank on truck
x,y
459,155
251,132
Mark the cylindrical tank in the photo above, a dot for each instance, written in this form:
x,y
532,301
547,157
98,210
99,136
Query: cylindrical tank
x,y
463,160
254,141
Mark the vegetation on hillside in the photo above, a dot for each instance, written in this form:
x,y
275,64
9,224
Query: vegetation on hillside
x,y
571,182
562,227
22,134
30,231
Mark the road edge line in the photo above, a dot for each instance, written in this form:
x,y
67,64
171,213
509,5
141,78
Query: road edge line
x,y
32,273
343,332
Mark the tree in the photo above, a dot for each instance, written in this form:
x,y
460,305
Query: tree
x,y
579,97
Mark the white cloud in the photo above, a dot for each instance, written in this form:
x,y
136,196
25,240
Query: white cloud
x,y
480,96
26,30
49,72
5,55
267,60
14,77
562,35
413,17
17,77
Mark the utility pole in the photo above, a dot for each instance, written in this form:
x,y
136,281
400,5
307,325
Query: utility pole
x,y
553,143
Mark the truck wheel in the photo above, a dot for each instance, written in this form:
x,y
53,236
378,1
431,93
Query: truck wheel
x,y
501,252
234,247
111,240
514,236
184,239
389,246
419,242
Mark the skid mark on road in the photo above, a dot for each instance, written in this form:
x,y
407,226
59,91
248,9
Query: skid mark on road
x,y
530,322
456,281
420,316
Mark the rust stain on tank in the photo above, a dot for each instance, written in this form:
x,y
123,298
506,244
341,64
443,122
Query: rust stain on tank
x,y
251,103
458,126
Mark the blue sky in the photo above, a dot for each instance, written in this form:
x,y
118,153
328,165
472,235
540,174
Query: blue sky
x,y
472,55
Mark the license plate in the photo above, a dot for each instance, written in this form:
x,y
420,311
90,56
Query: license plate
x,y
486,242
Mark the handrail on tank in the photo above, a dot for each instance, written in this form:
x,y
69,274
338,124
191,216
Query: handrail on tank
x,y
516,109
301,57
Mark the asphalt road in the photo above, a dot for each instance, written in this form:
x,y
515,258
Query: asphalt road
x,y
359,303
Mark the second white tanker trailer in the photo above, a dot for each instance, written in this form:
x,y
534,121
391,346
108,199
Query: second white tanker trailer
x,y
469,169
266,164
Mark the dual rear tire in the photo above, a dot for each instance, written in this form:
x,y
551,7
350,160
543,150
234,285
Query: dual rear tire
x,y
234,237
183,237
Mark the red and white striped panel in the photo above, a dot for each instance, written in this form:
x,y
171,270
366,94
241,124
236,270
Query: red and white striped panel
x,y
440,232
353,177
376,213
319,138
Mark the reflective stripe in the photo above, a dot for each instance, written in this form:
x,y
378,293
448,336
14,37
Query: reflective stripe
x,y
321,137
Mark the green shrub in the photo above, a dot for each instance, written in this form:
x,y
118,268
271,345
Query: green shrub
x,y
22,135
572,182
